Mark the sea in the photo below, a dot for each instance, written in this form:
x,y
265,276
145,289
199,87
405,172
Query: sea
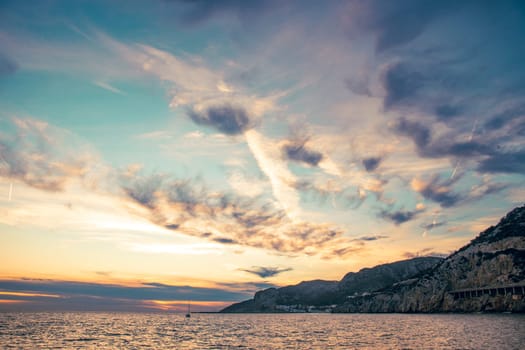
x,y
88,330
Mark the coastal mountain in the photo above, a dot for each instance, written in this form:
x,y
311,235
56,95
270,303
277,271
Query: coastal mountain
x,y
488,274
323,295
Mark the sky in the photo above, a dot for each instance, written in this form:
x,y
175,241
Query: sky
x,y
155,153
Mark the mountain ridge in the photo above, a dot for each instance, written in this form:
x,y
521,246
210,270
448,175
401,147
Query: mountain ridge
x,y
308,295
496,257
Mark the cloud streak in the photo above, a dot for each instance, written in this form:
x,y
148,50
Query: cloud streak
x,y
441,190
189,207
265,272
270,162
71,295
34,155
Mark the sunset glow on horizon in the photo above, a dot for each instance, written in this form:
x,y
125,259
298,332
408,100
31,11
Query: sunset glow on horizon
x,y
155,153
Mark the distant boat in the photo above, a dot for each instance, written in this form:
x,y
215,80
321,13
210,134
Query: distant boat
x,y
188,314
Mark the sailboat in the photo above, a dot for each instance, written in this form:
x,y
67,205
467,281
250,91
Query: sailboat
x,y
188,314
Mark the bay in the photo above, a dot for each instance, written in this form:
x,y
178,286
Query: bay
x,y
89,330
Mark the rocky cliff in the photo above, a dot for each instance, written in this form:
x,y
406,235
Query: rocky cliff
x,y
493,260
320,295
488,274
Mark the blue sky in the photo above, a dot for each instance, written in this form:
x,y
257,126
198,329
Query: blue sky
x,y
226,146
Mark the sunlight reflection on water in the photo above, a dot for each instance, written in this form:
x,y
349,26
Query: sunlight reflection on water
x,y
261,331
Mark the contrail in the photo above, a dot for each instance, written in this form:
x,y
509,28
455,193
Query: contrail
x,y
268,160
469,139
434,222
454,171
10,191
473,129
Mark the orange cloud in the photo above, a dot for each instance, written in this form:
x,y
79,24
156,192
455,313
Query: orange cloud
x,y
7,301
29,295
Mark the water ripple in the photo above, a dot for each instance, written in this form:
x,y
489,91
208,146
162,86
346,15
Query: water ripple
x,y
252,331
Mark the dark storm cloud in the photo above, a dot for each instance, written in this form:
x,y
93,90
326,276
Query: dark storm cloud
x,y
265,272
228,119
299,152
7,66
371,163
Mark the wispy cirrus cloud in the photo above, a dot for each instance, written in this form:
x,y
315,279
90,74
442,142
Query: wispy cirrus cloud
x,y
192,83
42,294
34,153
282,180
186,206
426,58
189,207
211,102
441,191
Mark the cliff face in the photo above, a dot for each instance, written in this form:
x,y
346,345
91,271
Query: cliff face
x,y
319,294
372,279
496,258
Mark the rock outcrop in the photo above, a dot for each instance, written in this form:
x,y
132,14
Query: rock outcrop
x,y
319,295
495,259
491,268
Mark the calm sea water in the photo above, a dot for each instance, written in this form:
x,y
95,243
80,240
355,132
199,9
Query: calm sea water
x,y
252,331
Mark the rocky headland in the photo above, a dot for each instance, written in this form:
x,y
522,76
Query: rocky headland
x,y
486,275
